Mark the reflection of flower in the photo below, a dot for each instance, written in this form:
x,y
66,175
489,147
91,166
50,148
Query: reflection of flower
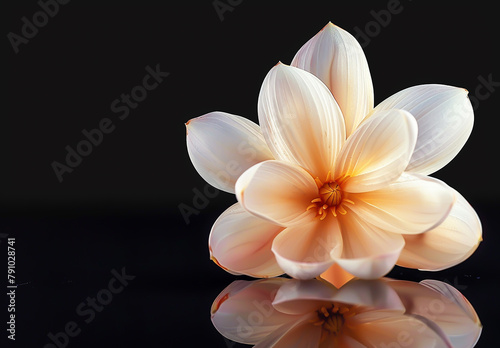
x,y
330,183
363,313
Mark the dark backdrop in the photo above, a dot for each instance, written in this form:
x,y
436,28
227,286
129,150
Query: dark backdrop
x,y
119,207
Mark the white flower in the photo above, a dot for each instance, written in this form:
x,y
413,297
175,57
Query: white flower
x,y
363,313
328,181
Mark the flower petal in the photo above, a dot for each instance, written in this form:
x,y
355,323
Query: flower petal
x,y
402,330
445,118
461,324
368,252
337,59
377,152
241,243
301,335
374,294
306,251
243,312
222,146
300,120
300,297
448,244
413,204
277,191
442,304
336,275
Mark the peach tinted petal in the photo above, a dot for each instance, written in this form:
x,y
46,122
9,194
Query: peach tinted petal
x,y
368,252
243,311
277,191
303,335
300,297
444,305
400,331
446,245
336,275
413,204
462,328
377,152
445,118
222,146
241,243
337,59
300,120
306,251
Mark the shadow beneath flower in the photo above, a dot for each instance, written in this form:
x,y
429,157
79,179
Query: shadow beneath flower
x,y
388,313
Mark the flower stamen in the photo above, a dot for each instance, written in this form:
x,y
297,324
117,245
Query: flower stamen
x,y
330,196
332,319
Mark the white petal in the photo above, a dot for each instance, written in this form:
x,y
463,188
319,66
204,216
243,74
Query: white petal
x,y
300,334
375,294
300,120
222,146
448,244
277,191
400,331
303,335
377,152
303,296
243,312
444,305
306,251
368,252
413,204
445,118
337,59
455,315
241,243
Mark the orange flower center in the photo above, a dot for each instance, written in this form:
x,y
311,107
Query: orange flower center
x,y
330,194
332,319
330,198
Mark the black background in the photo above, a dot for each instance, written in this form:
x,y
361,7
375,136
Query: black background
x,y
120,206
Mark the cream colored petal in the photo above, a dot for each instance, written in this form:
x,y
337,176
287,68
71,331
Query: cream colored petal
x,y
337,59
305,251
303,335
444,305
345,341
463,328
277,191
445,118
378,152
241,243
375,294
300,120
399,331
413,204
368,252
243,312
446,245
300,297
222,146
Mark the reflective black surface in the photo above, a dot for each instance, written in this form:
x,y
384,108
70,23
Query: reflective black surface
x,y
117,215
